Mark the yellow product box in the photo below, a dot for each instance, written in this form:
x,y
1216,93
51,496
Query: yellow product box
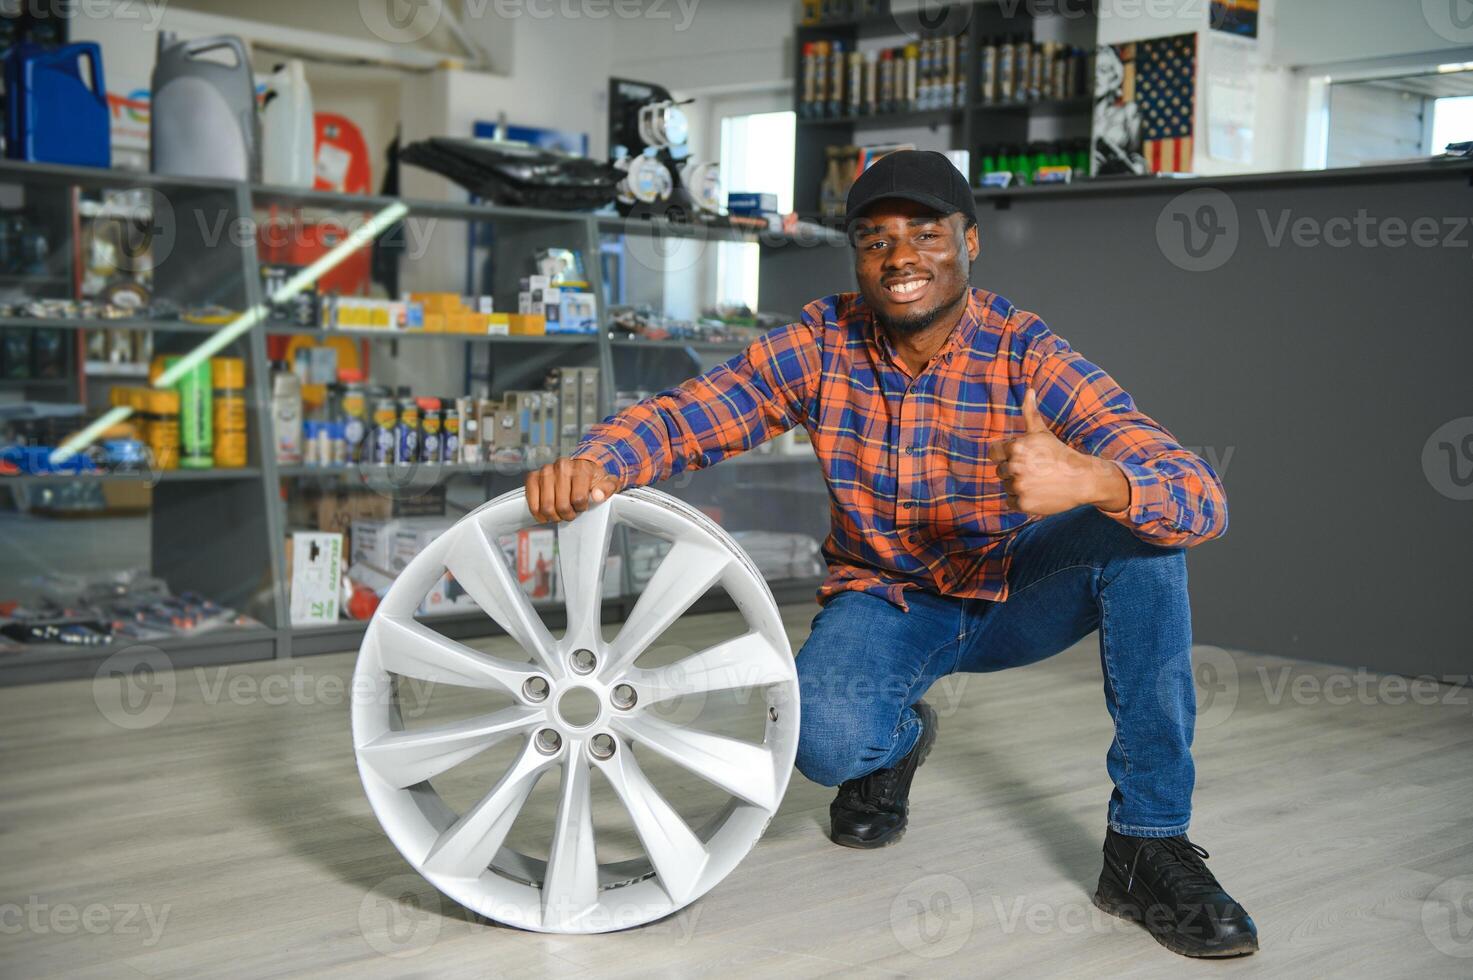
x,y
498,324
526,324
434,322
471,323
438,302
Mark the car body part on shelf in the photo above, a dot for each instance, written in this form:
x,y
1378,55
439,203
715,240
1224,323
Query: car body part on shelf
x,y
565,888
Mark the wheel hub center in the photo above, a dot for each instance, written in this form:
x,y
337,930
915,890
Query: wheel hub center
x,y
578,707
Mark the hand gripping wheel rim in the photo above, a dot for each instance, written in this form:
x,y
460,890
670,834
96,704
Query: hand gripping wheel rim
x,y
463,854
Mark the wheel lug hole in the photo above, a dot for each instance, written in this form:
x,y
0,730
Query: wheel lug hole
x,y
549,741
535,688
601,746
623,696
584,661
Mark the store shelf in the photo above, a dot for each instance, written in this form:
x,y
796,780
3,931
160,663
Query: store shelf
x,y
633,343
10,384
55,661
887,120
158,476
421,474
74,323
1079,103
568,339
808,235
107,369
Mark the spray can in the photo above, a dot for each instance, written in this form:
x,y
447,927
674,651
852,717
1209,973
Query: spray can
x,y
353,415
450,437
384,439
228,376
196,435
407,450
431,438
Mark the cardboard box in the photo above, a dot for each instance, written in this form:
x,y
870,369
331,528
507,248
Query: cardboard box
x,y
470,429
536,562
316,577
507,428
526,324
446,596
588,410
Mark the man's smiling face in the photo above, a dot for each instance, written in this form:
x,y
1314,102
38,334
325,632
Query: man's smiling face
x,y
912,263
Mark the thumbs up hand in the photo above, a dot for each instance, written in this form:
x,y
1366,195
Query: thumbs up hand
x,y
1044,476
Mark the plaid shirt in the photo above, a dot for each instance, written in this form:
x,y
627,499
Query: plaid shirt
x,y
915,501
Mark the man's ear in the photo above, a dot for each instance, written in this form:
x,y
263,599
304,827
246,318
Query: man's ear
x,y
974,243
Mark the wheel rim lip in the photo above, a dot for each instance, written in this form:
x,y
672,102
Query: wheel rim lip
x,y
408,817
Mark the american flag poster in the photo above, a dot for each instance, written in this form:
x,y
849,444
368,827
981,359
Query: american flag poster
x,y
1145,96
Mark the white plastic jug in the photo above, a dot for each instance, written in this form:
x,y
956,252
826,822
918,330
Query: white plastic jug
x,y
287,133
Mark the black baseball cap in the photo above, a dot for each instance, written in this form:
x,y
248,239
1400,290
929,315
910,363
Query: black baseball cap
x,y
923,176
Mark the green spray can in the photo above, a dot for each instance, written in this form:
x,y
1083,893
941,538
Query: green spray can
x,y
196,423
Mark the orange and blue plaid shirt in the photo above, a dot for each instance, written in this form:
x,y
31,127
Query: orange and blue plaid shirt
x,y
915,500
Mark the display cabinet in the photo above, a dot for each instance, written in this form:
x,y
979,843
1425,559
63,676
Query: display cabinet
x,y
125,268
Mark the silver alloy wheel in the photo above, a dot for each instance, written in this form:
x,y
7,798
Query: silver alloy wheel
x,y
463,854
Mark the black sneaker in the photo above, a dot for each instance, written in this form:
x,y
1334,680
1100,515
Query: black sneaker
x,y
871,811
1162,883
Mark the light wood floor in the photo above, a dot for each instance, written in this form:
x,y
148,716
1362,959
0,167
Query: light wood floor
x,y
231,838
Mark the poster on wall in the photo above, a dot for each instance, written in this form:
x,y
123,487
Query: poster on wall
x,y
1238,17
1145,99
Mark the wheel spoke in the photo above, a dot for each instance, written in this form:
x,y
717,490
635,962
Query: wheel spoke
x,y
744,663
412,649
466,847
406,758
479,566
677,854
582,546
683,577
570,887
741,768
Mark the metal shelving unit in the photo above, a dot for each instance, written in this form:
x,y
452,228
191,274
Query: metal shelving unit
x,y
216,526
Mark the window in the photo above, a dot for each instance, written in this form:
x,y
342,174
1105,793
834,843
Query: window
x,y
1452,121
756,156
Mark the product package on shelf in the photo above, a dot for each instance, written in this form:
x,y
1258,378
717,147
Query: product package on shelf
x,y
316,563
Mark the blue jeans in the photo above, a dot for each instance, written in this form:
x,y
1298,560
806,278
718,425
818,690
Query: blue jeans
x,y
866,661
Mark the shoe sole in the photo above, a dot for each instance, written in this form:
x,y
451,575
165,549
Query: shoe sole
x,y
1108,899
859,844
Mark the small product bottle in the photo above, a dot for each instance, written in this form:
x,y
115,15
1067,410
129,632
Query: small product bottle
x,y
1006,68
836,79
384,439
431,437
353,414
408,444
987,69
228,376
450,425
286,415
